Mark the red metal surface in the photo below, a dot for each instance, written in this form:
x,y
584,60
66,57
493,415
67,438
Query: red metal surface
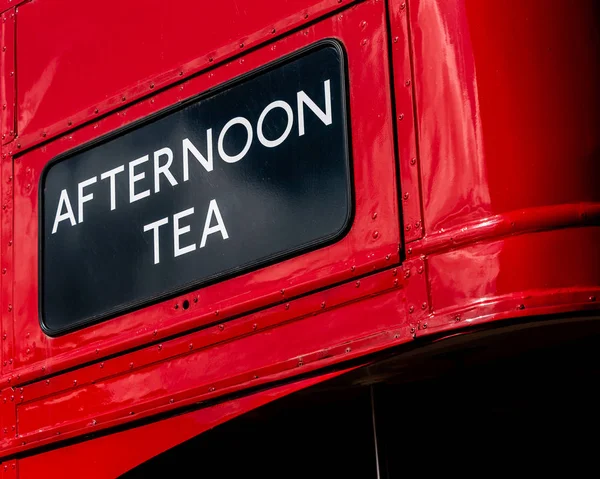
x,y
7,76
506,107
371,244
408,157
496,102
127,49
89,459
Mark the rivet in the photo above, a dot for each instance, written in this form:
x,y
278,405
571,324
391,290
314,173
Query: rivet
x,y
402,6
18,145
217,312
28,351
406,196
131,413
401,116
396,282
272,30
47,381
521,306
255,376
395,39
122,98
408,227
69,123
43,134
457,318
12,74
101,365
130,365
160,347
409,251
387,257
211,389
191,346
411,309
322,304
358,284
171,401
241,45
75,382
196,299
424,306
221,327
407,273
94,422
407,82
353,268
374,216
180,73
282,291
348,350
413,161
96,110
305,16
363,42
425,326
254,326
375,234
418,224
420,270
154,333
592,298
394,272
151,85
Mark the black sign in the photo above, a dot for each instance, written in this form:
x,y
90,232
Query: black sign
x,y
241,177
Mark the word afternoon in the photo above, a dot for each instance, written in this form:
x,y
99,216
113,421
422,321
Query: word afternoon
x,y
162,160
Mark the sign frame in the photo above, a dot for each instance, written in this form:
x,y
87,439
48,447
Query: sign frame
x,y
232,272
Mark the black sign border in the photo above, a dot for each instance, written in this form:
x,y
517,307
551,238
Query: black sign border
x,y
231,273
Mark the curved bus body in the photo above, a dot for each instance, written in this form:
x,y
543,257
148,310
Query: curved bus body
x,y
298,238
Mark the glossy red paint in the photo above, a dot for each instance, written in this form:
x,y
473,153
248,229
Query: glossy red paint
x,y
171,42
7,76
371,244
151,439
497,151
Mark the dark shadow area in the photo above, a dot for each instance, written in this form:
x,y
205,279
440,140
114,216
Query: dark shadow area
x,y
510,401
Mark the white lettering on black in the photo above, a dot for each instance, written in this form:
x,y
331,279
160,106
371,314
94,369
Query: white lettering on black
x,y
213,209
235,121
154,227
163,169
206,162
111,175
177,232
290,122
133,179
68,215
324,116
